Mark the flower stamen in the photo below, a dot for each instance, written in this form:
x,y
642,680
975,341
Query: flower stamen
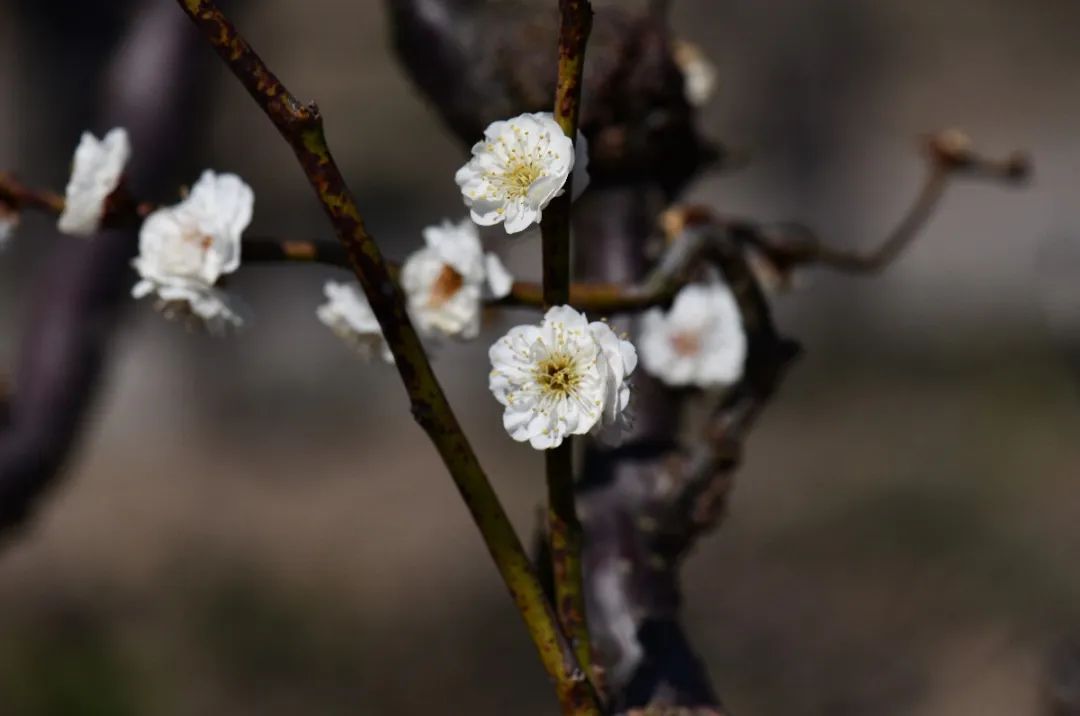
x,y
686,343
558,375
445,286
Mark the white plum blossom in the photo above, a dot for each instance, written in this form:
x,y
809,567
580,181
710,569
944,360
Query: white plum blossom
x,y
445,279
9,221
699,342
565,377
519,166
348,314
96,172
184,249
699,74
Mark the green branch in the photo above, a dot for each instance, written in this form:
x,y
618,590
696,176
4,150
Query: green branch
x,y
564,529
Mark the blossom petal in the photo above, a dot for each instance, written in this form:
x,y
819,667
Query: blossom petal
x,y
348,314
97,170
500,280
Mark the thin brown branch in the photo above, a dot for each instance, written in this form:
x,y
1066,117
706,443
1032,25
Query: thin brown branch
x,y
949,155
592,297
18,196
564,528
264,250
302,127
704,480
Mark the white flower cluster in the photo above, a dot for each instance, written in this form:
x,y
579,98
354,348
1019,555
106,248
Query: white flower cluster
x,y
444,283
565,377
183,249
700,342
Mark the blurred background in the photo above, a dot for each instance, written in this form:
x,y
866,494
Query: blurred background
x,y
254,525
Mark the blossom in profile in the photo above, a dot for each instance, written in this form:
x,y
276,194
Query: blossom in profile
x,y
699,74
700,342
565,377
519,166
348,314
96,172
185,249
445,280
9,221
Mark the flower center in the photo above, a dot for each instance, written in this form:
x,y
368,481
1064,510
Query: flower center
x,y
198,239
519,176
446,284
686,344
185,254
558,374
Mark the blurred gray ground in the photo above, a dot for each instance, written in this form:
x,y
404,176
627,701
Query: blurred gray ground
x,y
255,526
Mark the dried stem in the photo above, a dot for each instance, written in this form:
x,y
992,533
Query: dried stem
x,y
301,126
564,529
949,155
17,196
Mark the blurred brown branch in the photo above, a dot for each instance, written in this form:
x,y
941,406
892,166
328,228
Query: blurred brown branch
x,y
80,291
787,246
948,154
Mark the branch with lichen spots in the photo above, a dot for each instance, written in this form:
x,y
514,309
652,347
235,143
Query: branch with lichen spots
x,y
302,127
565,537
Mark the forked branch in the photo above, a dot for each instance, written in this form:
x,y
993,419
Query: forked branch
x,y
302,127
948,154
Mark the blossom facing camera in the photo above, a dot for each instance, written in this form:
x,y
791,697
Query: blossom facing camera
x,y
565,377
184,249
518,168
96,172
699,342
348,314
445,280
